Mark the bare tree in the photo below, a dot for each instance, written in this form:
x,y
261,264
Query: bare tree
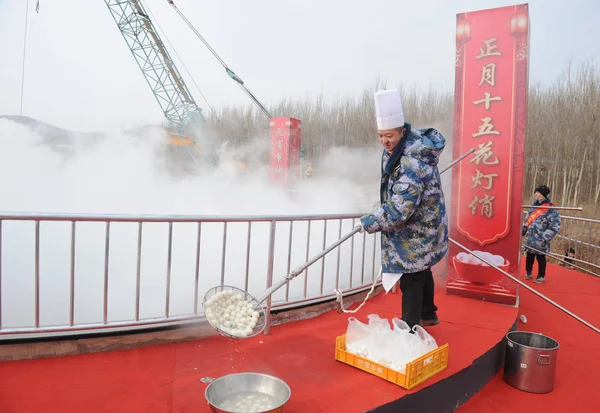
x,y
562,141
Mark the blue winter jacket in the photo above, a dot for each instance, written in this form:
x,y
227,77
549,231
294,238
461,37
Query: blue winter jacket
x,y
543,229
412,216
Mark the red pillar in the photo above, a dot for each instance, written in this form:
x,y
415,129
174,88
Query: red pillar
x,y
492,62
285,152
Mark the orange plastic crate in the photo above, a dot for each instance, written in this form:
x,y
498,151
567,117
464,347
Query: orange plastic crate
x,y
417,371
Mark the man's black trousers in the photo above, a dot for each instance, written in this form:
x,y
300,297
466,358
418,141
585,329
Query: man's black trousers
x,y
417,297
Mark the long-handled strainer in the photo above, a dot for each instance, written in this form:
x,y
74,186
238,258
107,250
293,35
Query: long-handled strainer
x,y
235,313
231,296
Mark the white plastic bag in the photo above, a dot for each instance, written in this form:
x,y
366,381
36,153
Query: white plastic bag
x,y
403,343
382,349
400,325
413,345
378,322
428,343
358,336
392,346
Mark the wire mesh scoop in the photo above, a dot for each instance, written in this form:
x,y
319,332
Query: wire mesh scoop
x,y
235,313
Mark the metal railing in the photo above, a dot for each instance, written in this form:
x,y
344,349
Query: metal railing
x,y
124,272
583,236
64,274
580,234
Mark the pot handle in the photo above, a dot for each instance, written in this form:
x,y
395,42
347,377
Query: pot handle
x,y
207,379
543,359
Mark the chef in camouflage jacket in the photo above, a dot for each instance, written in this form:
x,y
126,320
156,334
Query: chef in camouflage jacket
x,y
540,227
412,217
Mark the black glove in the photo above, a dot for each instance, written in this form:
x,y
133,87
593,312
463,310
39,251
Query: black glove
x,y
523,231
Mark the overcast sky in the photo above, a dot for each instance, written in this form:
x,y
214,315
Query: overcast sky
x,y
80,74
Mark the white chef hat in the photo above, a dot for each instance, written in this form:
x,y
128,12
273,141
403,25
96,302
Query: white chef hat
x,y
388,109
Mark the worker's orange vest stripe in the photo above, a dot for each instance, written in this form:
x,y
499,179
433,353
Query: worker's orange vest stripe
x,y
536,214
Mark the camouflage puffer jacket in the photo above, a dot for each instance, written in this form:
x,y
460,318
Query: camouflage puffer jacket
x,y
543,229
412,216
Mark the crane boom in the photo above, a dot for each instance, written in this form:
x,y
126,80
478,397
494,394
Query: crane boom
x,y
162,76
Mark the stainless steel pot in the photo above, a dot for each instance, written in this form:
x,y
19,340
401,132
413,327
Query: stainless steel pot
x,y
530,363
227,387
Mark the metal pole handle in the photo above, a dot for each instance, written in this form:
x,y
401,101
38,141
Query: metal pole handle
x,y
522,284
298,270
356,229
553,207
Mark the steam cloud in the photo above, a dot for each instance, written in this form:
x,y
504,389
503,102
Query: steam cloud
x,y
122,174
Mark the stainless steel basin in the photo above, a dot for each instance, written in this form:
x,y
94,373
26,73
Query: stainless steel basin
x,y
224,389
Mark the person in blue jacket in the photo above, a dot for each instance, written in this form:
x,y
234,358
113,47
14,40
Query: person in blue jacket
x,y
412,216
540,227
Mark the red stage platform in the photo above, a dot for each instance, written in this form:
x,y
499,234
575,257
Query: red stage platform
x,y
166,378
578,367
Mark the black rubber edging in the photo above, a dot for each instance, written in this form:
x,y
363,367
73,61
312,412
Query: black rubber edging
x,y
447,395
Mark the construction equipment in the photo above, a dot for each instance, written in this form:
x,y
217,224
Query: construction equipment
x,y
189,133
166,83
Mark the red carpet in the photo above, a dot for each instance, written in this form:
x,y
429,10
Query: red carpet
x,y
165,378
578,365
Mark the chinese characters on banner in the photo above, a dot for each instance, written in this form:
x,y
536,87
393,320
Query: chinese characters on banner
x,y
284,161
490,114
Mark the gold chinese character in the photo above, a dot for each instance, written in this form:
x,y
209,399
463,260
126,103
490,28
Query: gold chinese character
x,y
483,154
279,132
479,176
473,205
489,49
278,170
279,143
279,156
486,128
486,205
367,364
488,74
487,99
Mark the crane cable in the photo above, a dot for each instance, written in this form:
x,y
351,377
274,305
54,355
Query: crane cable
x,y
229,72
24,55
164,34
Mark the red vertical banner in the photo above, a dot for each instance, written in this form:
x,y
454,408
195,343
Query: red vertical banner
x,y
284,161
490,115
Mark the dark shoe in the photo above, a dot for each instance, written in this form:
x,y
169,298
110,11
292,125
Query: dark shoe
x,y
540,280
528,277
429,323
